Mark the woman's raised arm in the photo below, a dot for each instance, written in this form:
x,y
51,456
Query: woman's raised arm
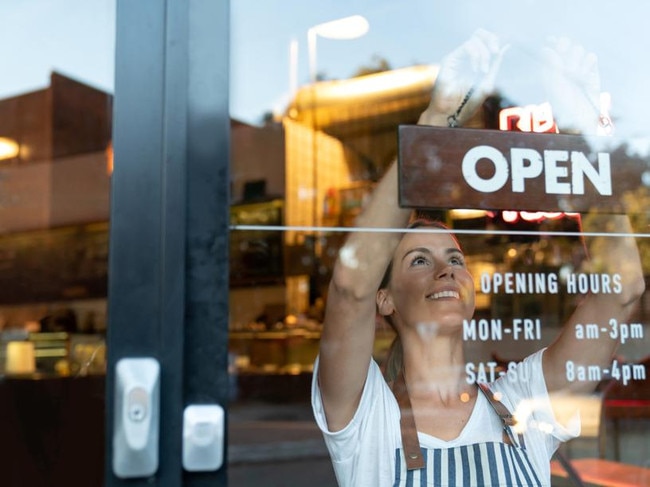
x,y
573,83
349,326
614,259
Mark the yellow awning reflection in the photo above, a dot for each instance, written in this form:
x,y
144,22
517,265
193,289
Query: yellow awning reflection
x,y
378,99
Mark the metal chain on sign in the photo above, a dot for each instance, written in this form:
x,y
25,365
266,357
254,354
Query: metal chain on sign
x,y
452,120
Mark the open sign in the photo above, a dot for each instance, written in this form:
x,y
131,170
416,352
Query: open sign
x,y
495,170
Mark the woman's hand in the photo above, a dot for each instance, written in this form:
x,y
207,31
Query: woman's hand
x,y
465,78
572,82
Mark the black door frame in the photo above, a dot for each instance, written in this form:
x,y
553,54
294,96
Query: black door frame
x,y
168,274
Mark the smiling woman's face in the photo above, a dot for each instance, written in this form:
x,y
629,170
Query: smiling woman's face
x,y
429,284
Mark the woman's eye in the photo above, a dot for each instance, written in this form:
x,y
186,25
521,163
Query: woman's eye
x,y
456,261
419,261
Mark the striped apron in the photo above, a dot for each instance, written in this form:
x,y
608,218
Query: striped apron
x,y
489,464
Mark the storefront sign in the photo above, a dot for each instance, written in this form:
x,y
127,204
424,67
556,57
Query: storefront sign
x,y
497,170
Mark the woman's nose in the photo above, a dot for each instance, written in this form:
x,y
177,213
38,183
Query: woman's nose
x,y
445,271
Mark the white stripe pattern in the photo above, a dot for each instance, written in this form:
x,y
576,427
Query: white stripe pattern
x,y
488,464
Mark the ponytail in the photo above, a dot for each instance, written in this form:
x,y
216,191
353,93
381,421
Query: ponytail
x,y
394,360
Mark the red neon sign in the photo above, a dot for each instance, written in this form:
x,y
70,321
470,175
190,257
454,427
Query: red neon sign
x,y
531,118
532,216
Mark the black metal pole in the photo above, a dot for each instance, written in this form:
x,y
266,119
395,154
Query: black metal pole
x,y
168,284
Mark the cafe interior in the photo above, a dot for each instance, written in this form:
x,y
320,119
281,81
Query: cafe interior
x,y
298,181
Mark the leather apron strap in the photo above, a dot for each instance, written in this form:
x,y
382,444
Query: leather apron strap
x,y
507,418
410,442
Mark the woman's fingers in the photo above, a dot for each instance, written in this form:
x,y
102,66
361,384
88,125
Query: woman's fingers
x,y
572,82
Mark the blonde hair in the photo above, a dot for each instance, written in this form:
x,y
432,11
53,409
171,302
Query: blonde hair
x,y
394,360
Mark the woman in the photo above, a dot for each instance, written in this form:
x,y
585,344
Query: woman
x,y
419,282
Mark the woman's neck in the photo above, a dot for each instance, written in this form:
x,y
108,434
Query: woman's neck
x,y
434,367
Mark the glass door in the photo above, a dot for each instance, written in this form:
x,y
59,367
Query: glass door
x,y
177,182
319,92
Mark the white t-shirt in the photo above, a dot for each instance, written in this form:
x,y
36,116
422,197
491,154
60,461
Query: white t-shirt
x,y
363,453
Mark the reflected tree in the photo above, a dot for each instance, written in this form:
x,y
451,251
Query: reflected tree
x,y
378,64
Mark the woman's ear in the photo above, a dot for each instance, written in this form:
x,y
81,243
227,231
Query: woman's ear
x,y
384,303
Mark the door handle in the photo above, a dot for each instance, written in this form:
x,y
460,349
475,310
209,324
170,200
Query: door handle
x,y
136,417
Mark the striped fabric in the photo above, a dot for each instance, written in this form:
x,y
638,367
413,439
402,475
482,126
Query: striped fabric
x,y
491,464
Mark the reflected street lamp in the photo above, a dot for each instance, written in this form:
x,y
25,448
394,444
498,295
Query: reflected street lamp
x,y
346,28
341,29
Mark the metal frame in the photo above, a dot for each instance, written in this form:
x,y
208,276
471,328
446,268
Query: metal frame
x,y
168,277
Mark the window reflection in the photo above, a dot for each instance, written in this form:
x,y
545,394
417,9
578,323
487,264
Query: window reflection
x,y
339,136
55,132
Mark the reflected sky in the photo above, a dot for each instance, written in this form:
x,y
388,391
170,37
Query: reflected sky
x,y
422,31
76,38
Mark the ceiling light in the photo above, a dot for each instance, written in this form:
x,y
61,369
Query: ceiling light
x,y
9,148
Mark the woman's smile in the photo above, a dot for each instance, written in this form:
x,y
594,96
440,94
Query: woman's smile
x,y
445,294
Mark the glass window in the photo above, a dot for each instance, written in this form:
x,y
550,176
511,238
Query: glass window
x,y
553,124
55,168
